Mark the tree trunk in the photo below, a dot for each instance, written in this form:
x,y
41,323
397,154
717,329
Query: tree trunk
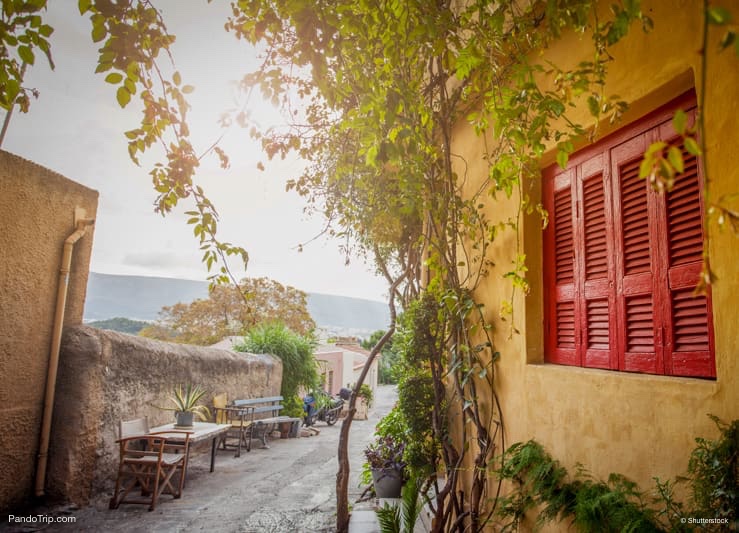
x,y
342,476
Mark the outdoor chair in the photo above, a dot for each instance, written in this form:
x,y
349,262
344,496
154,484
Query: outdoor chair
x,y
148,462
241,421
137,426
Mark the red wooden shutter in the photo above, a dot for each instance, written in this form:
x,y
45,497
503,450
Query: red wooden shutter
x,y
640,350
595,264
622,261
687,316
560,290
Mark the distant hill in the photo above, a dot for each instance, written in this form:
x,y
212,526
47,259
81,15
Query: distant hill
x,y
124,325
141,298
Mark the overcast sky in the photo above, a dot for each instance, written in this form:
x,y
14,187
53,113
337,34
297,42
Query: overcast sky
x,y
76,128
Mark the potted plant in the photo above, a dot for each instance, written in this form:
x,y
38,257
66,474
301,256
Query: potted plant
x,y
364,401
385,460
365,393
185,401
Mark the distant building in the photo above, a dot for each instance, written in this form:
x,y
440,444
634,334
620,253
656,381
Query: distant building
x,y
341,363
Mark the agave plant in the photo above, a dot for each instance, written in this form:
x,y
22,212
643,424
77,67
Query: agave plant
x,y
185,400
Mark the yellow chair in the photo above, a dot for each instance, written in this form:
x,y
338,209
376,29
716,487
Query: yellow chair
x,y
241,420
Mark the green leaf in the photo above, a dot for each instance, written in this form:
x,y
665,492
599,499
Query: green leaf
x,y
645,168
98,32
718,15
593,105
26,54
123,96
562,158
103,66
84,6
619,28
114,77
675,156
46,30
654,148
176,78
680,121
691,145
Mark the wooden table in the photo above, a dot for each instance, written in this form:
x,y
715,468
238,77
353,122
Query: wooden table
x,y
201,432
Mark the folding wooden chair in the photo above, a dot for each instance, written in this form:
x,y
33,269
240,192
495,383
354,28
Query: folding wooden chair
x,y
149,461
137,426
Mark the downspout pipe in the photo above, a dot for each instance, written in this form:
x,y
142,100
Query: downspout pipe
x,y
56,339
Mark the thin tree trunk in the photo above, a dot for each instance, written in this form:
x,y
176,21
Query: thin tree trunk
x,y
342,476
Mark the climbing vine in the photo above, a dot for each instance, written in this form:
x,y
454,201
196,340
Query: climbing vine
x,y
381,86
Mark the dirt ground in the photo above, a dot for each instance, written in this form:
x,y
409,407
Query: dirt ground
x,y
290,487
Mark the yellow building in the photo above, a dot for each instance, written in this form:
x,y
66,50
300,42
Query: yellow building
x,y
617,363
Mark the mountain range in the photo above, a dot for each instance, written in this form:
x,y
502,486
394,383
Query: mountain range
x,y
141,298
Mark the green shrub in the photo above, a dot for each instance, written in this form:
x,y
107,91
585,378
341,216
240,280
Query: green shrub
x,y
299,367
713,475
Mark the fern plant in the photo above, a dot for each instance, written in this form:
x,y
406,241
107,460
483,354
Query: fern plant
x,y
617,505
593,505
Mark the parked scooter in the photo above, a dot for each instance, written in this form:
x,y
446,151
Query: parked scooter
x,y
319,405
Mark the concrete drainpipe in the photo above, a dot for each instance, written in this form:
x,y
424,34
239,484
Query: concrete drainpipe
x,y
81,224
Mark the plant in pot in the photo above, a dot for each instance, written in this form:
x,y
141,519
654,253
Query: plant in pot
x,y
185,401
365,392
386,464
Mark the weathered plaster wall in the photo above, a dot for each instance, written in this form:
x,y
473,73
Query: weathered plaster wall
x,y
636,424
106,377
37,213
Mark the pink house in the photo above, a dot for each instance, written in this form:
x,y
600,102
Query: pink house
x,y
341,363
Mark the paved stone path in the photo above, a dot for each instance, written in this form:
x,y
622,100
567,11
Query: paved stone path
x,y
290,487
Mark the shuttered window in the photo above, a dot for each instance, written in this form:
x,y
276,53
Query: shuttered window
x,y
622,261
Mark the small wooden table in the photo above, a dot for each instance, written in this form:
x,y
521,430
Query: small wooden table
x,y
201,431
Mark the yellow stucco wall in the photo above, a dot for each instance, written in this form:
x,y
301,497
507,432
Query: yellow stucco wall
x,y
639,425
37,214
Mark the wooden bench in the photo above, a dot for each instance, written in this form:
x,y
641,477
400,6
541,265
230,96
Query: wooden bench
x,y
265,413
252,418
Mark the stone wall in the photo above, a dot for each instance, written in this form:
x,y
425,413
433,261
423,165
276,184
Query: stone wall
x,y
37,209
106,377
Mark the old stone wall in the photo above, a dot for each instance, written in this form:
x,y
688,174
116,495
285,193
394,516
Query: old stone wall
x,y
37,212
106,377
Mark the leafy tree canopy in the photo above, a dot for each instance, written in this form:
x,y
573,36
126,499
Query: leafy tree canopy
x,y
233,311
